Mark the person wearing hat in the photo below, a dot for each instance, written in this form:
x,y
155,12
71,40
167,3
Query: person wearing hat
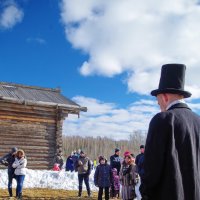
x,y
8,160
20,171
84,167
115,160
103,178
128,176
172,150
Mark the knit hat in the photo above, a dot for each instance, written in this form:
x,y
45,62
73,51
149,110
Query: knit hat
x,y
142,146
127,153
14,149
114,170
117,149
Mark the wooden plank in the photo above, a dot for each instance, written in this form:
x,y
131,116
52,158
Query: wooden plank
x,y
27,119
28,111
22,115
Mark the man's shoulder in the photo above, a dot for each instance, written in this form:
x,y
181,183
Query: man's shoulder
x,y
161,118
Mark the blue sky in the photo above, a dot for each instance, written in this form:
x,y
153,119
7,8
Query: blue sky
x,y
105,55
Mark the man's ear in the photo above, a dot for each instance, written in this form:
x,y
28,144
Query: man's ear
x,y
165,97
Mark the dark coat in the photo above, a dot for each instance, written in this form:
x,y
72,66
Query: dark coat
x,y
103,175
8,160
115,162
69,164
139,161
172,156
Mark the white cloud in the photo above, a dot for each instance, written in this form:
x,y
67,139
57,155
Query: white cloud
x,y
10,15
106,119
136,37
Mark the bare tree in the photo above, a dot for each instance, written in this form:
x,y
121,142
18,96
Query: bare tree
x,y
95,146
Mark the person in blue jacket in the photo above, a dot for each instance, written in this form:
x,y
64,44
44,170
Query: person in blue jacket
x,y
69,164
103,177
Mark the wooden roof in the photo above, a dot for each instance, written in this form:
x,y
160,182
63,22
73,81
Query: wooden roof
x,y
36,95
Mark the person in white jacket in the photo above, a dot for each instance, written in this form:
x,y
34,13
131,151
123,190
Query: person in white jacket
x,y
20,171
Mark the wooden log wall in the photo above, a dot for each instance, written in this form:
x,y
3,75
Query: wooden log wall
x,y
37,130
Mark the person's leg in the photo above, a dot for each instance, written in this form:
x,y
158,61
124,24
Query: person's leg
x,y
106,193
86,180
112,191
10,178
100,193
80,182
20,181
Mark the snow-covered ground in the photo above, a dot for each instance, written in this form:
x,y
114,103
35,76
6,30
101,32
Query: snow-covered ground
x,y
50,179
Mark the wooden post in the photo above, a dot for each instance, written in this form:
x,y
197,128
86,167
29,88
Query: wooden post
x,y
59,123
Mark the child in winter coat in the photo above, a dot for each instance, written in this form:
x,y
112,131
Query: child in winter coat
x,y
103,177
115,186
56,167
128,177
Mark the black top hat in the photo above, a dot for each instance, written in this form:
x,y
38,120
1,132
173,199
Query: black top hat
x,y
172,80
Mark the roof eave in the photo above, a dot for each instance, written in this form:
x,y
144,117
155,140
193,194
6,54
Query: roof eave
x,y
42,103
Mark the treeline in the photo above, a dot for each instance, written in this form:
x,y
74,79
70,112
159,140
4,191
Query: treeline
x,y
95,146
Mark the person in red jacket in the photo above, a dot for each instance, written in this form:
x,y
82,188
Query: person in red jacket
x,y
56,167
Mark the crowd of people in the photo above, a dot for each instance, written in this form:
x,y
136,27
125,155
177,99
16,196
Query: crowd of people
x,y
117,174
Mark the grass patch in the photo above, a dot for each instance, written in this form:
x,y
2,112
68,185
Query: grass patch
x,y
47,194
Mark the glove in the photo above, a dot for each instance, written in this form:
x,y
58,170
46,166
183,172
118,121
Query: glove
x,y
4,162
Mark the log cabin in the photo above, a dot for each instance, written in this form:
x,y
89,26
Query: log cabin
x,y
31,118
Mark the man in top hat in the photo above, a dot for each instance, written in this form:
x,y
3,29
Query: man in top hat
x,y
8,160
172,150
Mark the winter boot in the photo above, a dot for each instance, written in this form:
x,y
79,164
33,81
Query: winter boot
x,y
80,191
89,193
19,196
10,192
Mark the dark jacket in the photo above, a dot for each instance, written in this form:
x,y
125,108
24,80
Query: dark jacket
x,y
140,164
172,156
115,162
69,164
8,160
103,175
